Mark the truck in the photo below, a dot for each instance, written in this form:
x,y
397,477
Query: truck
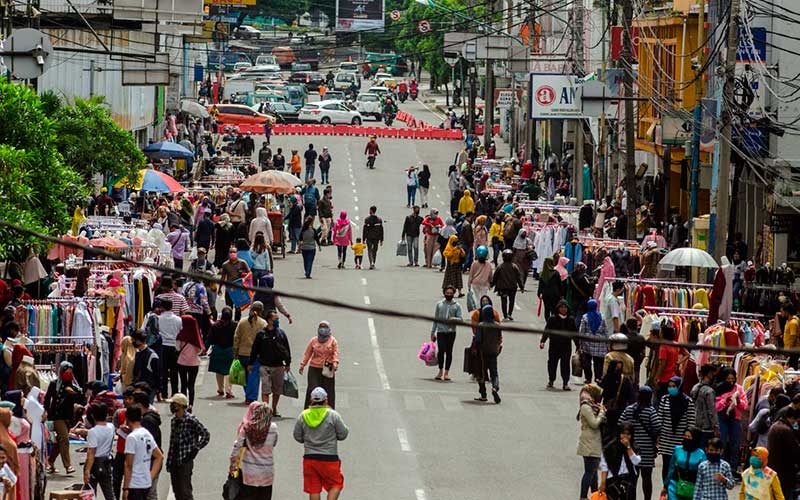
x,y
228,59
388,62
239,87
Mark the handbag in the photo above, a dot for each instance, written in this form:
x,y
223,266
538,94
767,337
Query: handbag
x,y
237,373
290,389
327,370
233,485
684,489
437,259
471,302
402,248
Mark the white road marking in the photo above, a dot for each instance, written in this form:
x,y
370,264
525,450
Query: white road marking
x,y
364,281
352,183
354,191
451,403
376,352
356,217
356,208
366,300
355,199
437,195
403,438
420,494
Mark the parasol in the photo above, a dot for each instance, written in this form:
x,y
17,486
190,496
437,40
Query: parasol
x,y
271,181
688,257
167,149
194,108
152,180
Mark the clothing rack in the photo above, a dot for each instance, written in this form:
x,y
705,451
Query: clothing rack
x,y
683,309
646,281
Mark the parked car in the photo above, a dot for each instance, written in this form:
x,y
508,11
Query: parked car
x,y
245,32
284,111
268,62
343,81
238,114
369,104
329,112
334,95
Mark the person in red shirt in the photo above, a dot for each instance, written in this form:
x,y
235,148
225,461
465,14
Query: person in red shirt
x,y
527,170
432,225
669,359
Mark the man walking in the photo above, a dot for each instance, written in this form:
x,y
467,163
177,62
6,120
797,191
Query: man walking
x,y
99,442
704,397
169,325
142,458
187,437
372,234
319,428
325,211
311,158
411,236
271,350
560,348
310,194
265,156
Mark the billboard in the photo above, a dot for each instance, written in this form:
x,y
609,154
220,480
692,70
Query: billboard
x,y
359,15
554,97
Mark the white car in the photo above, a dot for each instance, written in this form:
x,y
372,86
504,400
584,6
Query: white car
x,y
343,81
246,32
369,104
382,92
241,66
326,112
381,76
267,62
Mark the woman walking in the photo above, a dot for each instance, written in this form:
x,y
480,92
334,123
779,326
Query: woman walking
x,y
252,454
295,222
523,254
592,353
489,342
579,291
505,281
189,345
424,184
480,273
730,403
453,255
221,356
325,165
646,428
591,416
676,411
550,290
618,393
560,349
60,399
412,182
619,466
681,474
223,239
480,233
322,358
309,243
260,256
342,237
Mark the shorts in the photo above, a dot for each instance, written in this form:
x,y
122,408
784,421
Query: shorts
x,y
272,379
319,475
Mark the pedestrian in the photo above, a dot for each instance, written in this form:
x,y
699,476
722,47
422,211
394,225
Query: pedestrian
x,y
99,442
445,334
785,450
669,359
480,273
488,340
618,393
146,364
309,243
424,179
619,466
325,165
714,476
325,212
178,238
252,455
342,237
260,255
358,253
223,239
523,254
680,476
265,155
372,234
550,287
143,457
467,239
322,357
295,164
704,398
447,231
560,350
496,236
278,160
411,231
676,411
311,197
319,429
169,325
505,280
646,427
189,344
311,157
221,357
591,416
260,224
412,183
453,255
480,234
243,339
593,352
187,437
204,233
432,226
579,291
618,344
62,395
730,403
295,223
271,349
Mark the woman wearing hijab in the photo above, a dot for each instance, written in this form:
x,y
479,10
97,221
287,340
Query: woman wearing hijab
x,y
466,204
126,361
550,289
607,273
676,411
189,344
592,353
448,230
62,395
223,239
760,482
252,454
325,159
561,266
480,233
221,356
681,475
342,237
488,341
523,253
618,393
646,427
579,291
453,255
730,404
322,357
619,466
591,415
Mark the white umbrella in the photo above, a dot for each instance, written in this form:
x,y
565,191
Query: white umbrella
x,y
688,257
194,108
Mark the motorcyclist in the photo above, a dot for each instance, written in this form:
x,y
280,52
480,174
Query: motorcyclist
x,y
352,90
372,150
413,85
402,90
329,78
389,107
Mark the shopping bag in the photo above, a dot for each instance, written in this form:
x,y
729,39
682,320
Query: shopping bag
x,y
598,496
290,389
402,248
427,353
472,304
241,298
437,259
86,493
577,366
237,374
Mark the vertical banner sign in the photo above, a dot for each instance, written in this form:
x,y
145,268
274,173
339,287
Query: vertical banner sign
x,y
359,15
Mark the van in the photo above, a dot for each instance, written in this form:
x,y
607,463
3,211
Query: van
x,y
296,94
284,55
343,81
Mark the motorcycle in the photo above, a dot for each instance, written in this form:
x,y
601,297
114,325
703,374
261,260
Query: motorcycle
x,y
371,161
388,118
413,94
402,96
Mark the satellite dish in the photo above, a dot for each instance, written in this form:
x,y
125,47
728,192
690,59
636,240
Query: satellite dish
x,y
26,53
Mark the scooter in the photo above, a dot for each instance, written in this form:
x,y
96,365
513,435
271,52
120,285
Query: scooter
x,y
388,118
413,94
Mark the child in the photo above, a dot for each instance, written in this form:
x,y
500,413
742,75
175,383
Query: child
x,y
714,475
8,480
358,249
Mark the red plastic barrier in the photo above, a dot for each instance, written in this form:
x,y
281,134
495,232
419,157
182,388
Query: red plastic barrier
x,y
399,132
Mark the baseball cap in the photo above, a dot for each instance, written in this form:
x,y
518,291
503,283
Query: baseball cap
x,y
318,395
181,399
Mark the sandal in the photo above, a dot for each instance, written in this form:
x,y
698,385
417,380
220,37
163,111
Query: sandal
x,y
437,377
51,469
483,400
70,470
446,379
220,393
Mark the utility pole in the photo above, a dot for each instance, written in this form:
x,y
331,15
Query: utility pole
x,y
601,147
91,78
530,130
488,95
630,140
577,158
698,115
718,225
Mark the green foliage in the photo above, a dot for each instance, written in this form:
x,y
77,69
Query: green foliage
x,y
288,10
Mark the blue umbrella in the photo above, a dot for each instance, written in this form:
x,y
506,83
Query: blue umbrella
x,y
168,149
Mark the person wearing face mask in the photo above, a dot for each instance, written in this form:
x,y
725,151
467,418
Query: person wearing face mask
x,y
730,403
272,350
60,399
322,357
676,412
445,334
760,482
243,339
681,475
187,437
591,415
560,348
785,450
489,343
618,466
432,225
646,426
714,476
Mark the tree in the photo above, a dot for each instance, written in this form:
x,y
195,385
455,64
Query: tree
x,y
288,10
37,189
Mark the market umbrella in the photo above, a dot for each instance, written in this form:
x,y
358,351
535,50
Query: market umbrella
x,y
194,108
107,242
152,180
167,149
688,257
271,181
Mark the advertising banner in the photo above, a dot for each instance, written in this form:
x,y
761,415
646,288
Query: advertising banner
x,y
359,15
554,97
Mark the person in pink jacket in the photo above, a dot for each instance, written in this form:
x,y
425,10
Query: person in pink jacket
x,y
342,236
730,404
322,358
189,344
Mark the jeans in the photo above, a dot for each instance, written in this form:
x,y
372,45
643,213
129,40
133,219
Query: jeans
x,y
308,260
444,343
181,480
188,376
309,172
324,173
489,365
169,370
311,211
372,251
589,479
294,235
423,196
497,248
411,195
507,299
138,493
730,432
253,379
118,471
665,460
413,249
468,259
341,251
556,355
588,361
102,475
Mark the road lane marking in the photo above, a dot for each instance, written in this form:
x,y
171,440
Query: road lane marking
x,y
355,199
403,438
354,191
356,217
437,195
364,281
376,353
353,183
420,494
366,300
356,208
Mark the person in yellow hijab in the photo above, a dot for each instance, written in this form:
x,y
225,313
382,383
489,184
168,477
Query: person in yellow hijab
x,y
453,255
466,204
126,361
77,219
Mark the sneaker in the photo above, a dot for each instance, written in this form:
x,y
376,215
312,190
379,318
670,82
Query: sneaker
x,y
496,397
566,387
549,385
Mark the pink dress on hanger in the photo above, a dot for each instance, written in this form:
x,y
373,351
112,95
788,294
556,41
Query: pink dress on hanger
x,y
607,272
21,430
